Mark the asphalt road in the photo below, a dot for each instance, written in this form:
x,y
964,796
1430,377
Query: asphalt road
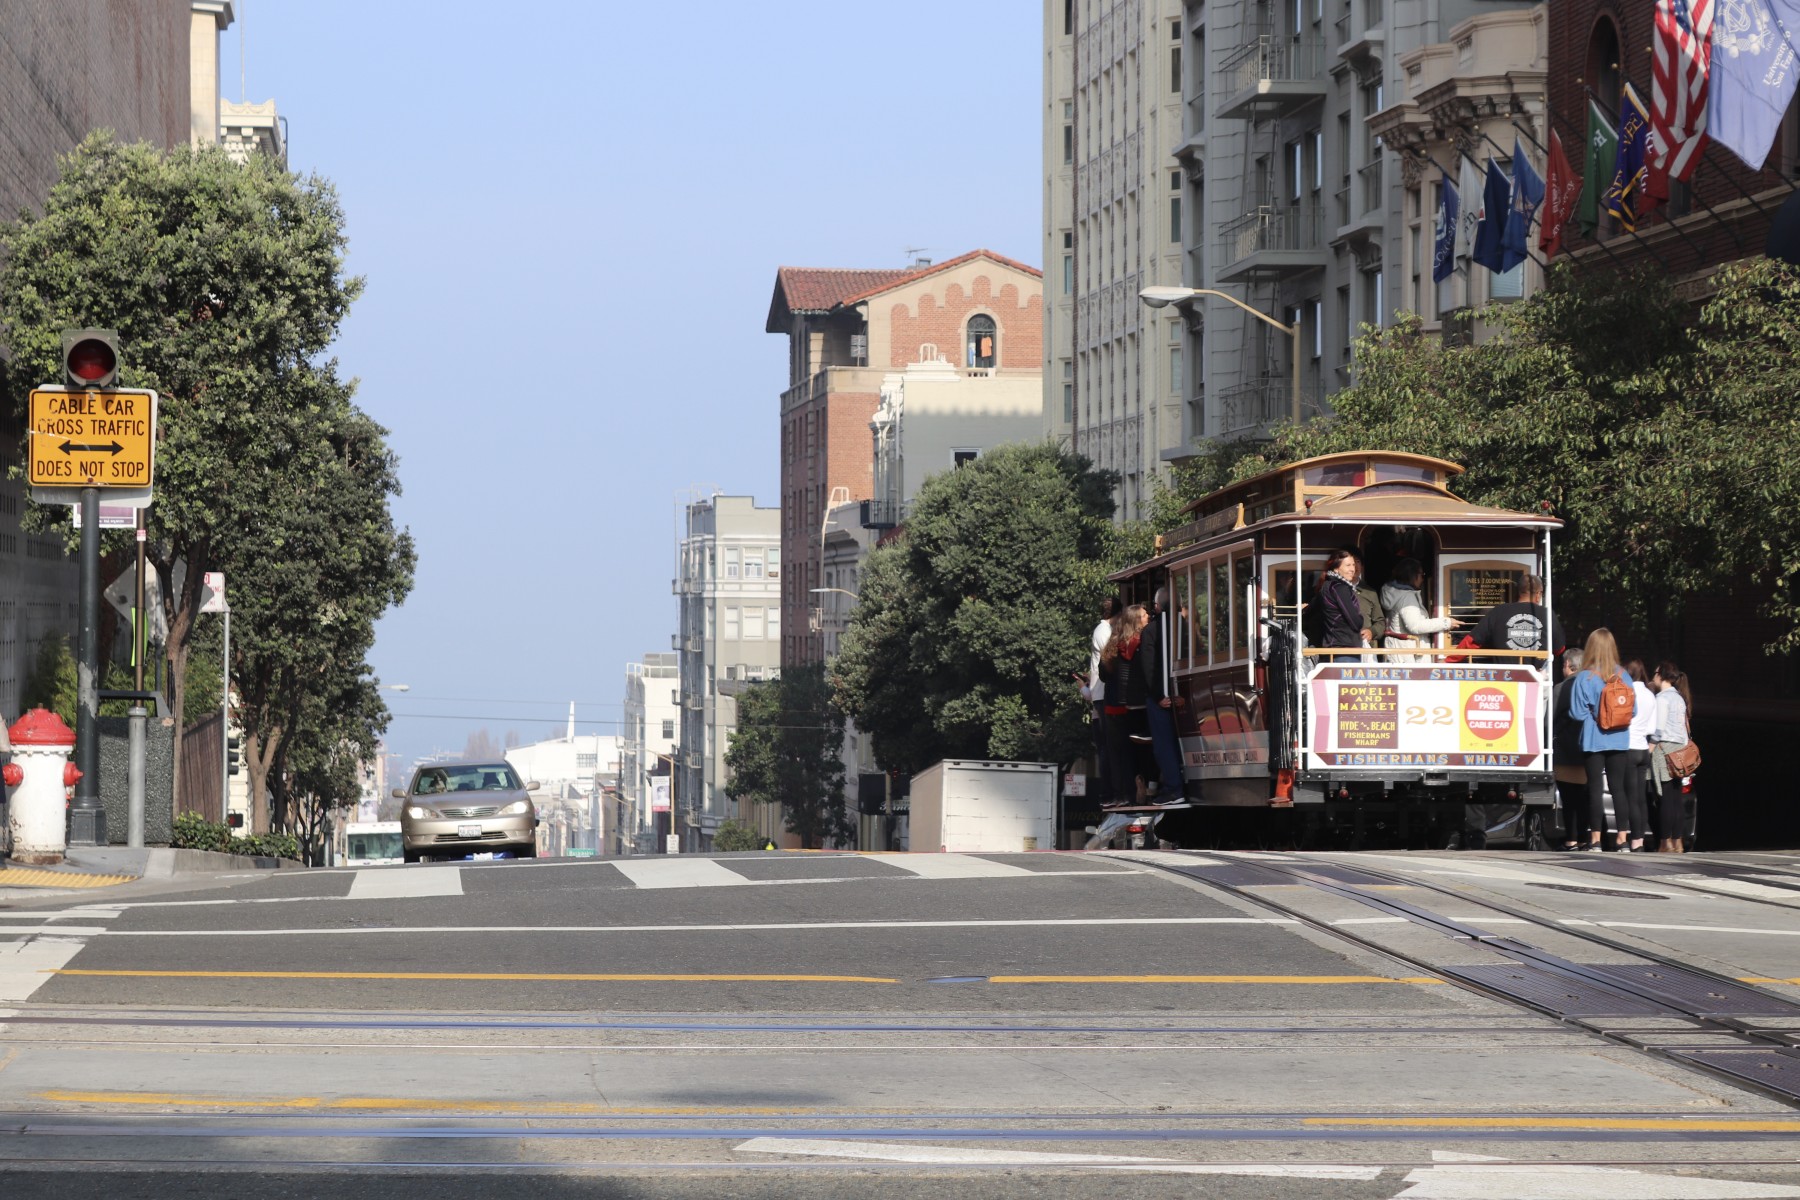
x,y
995,1025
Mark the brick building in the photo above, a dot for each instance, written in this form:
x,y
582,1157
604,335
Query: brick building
x,y
1746,701
847,330
68,69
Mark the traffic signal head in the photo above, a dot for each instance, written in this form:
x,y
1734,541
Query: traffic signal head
x,y
233,756
90,358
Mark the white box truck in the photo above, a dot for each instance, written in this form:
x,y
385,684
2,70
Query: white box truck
x,y
983,806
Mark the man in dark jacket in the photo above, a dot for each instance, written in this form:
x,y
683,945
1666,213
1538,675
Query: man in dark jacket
x,y
1159,709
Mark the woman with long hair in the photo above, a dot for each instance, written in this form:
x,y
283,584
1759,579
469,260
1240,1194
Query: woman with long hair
x,y
1336,598
1603,750
1674,711
1125,692
1637,759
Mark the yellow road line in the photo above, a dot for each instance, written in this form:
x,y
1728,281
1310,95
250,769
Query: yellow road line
x,y
403,1103
1282,979
25,877
1765,979
1666,1124
483,975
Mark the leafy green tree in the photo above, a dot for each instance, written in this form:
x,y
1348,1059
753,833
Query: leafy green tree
x,y
968,626
1666,438
785,752
226,284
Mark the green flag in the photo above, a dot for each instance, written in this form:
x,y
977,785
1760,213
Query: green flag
x,y
1597,168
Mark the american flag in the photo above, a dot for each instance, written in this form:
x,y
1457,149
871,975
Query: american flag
x,y
1683,46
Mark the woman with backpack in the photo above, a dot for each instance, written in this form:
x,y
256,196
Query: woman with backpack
x,y
1674,711
1602,699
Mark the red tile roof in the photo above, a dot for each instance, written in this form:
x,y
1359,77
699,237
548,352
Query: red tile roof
x,y
821,289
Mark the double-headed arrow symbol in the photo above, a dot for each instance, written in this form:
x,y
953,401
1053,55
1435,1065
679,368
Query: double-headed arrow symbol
x,y
69,447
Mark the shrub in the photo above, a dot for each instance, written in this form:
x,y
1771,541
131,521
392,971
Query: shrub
x,y
735,835
195,832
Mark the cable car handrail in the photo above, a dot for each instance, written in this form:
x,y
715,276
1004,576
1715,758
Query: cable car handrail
x,y
1428,651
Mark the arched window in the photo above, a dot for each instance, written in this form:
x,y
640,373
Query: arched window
x,y
1605,67
984,348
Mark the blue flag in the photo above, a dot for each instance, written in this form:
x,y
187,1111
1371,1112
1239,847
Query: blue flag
x,y
1496,206
1527,194
1752,74
1625,198
1443,262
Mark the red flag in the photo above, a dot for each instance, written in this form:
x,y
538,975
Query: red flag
x,y
1683,49
1562,188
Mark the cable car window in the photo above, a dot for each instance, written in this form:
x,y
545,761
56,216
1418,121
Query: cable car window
x,y
1203,613
1385,471
1336,475
1281,586
1184,634
1221,590
1243,575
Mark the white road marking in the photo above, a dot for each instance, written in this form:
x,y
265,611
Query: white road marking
x,y
1452,1156
678,873
1742,887
1695,928
1487,870
84,914
25,966
336,930
7,931
1537,1182
983,1156
953,866
385,884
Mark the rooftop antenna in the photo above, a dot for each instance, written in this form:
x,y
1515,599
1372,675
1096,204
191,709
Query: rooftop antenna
x,y
917,255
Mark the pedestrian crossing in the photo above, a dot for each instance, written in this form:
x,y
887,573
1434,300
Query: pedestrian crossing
x,y
660,873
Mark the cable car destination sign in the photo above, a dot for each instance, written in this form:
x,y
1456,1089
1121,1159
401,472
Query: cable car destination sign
x,y
92,438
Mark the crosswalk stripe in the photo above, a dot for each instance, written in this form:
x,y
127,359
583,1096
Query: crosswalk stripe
x,y
678,873
953,866
389,883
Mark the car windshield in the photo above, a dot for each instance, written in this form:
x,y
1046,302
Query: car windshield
x,y
487,777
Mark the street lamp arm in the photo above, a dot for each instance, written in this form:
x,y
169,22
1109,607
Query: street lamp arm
x,y
1257,313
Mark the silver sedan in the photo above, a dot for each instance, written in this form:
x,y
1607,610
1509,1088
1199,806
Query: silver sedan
x,y
457,809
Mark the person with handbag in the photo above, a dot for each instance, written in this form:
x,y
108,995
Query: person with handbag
x,y
1602,700
1673,754
1637,758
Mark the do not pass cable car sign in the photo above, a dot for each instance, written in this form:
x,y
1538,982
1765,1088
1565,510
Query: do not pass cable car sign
x,y
92,438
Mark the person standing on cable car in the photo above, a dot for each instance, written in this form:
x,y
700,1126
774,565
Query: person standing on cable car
x,y
1159,707
1125,698
1339,608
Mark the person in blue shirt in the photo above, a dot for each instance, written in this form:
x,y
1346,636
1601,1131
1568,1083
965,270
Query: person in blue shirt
x,y
1605,751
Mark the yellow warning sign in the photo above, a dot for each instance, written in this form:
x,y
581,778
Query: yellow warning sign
x,y
82,439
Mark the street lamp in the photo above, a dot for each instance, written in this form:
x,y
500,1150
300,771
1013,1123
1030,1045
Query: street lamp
x,y
1161,297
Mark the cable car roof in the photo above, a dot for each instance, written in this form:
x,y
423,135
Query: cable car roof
x,y
1410,502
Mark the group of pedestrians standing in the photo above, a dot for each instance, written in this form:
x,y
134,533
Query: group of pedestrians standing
x,y
1621,729
1127,684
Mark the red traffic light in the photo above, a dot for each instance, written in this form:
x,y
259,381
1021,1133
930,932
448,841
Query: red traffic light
x,y
90,357
91,360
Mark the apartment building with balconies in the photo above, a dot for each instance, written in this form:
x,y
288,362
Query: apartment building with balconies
x,y
1115,215
652,714
731,576
1305,203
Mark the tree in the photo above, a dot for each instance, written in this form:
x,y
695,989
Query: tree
x,y
969,625
1665,438
225,282
786,752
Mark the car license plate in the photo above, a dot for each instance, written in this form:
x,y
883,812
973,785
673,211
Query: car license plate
x,y
468,831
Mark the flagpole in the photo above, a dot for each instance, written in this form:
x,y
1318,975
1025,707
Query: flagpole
x,y
1707,159
1542,264
1635,236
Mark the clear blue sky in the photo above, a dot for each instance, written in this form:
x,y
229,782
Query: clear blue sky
x,y
569,214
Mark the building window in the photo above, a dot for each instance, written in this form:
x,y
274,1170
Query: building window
x,y
1175,65
590,761
1068,404
733,562
1068,274
753,565
1175,219
774,624
753,624
1175,370
983,342
1318,330
1068,144
668,729
731,624
959,457
774,558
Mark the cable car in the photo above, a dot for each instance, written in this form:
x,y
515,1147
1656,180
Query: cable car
x,y
1352,737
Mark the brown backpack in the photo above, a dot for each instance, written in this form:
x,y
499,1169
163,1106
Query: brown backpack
x,y
1617,704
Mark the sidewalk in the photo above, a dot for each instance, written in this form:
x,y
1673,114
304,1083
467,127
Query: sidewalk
x,y
108,866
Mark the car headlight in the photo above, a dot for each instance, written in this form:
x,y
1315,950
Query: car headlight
x,y
515,808
421,814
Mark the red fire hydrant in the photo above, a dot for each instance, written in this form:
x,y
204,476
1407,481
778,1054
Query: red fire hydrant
x,y
40,775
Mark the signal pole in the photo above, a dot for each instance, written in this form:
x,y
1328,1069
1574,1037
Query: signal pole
x,y
87,817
